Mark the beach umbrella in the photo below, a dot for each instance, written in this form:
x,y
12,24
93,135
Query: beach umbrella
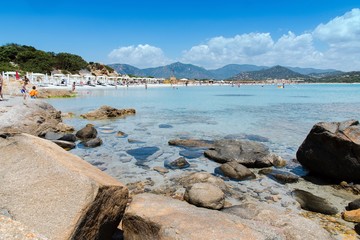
x,y
17,75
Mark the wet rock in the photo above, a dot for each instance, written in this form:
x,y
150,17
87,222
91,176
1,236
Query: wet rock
x,y
62,127
310,202
249,154
105,112
251,137
130,140
121,134
178,163
88,132
165,126
53,135
205,195
161,170
332,150
64,144
279,176
353,205
351,216
235,170
92,143
68,137
197,143
141,154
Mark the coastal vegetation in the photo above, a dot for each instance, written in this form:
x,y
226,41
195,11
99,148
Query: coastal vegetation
x,y
22,58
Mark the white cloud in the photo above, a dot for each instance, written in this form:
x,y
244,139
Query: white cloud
x,y
140,56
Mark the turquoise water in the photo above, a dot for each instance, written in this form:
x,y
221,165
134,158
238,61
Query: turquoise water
x,y
284,116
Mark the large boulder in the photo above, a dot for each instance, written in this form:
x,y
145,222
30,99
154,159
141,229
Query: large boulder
x,y
332,150
152,216
247,153
105,112
35,117
237,171
87,132
56,193
14,230
202,177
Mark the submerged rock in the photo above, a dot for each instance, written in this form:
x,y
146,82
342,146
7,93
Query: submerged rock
x,y
332,150
192,143
280,176
249,154
310,202
165,126
105,112
178,163
141,154
95,142
235,170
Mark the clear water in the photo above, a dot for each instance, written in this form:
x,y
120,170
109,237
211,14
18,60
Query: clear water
x,y
283,116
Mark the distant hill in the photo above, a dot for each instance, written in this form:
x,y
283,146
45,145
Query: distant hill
x,y
127,69
277,72
308,71
348,77
234,69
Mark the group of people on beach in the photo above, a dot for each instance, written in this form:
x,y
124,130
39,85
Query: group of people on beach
x,y
33,92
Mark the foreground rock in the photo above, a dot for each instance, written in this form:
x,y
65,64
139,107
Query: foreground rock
x,y
353,205
310,202
352,216
105,112
14,230
205,195
156,217
247,153
57,194
36,118
287,225
88,132
332,150
202,177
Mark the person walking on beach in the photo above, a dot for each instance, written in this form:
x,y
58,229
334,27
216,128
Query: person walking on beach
x,y
73,87
23,89
1,86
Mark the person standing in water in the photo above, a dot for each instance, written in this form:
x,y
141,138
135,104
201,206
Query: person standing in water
x,y
23,89
73,87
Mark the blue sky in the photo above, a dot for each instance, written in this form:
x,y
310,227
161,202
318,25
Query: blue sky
x,y
321,34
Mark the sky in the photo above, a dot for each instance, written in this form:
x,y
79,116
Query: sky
x,y
211,34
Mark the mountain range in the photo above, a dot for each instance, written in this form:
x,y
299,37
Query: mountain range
x,y
231,71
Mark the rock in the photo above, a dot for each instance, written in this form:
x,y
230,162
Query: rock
x,y
202,177
88,132
332,150
313,203
95,142
165,126
152,216
351,216
62,127
56,193
178,163
105,112
64,144
67,115
357,228
36,118
191,153
121,134
205,195
193,143
68,137
142,154
161,170
55,93
280,176
14,230
353,205
53,135
236,171
249,154
287,225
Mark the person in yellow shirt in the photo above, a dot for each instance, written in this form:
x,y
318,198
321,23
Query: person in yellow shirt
x,y
33,93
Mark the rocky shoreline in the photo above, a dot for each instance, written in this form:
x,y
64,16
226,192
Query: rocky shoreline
x,y
60,196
